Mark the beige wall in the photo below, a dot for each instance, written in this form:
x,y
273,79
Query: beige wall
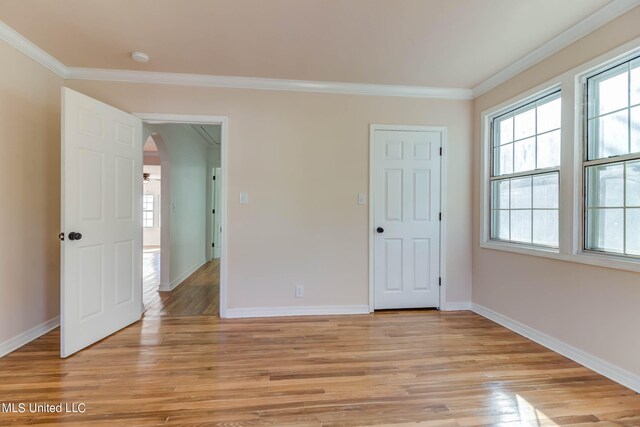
x,y
30,189
592,308
303,158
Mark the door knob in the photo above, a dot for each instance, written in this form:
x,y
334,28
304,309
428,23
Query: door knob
x,y
380,230
75,236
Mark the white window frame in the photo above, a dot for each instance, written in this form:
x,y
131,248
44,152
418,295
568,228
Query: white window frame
x,y
152,210
571,234
486,169
585,162
529,173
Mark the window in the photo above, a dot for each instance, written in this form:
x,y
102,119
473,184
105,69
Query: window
x,y
147,211
612,161
525,168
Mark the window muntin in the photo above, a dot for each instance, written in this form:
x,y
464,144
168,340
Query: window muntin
x,y
147,211
612,161
528,138
524,181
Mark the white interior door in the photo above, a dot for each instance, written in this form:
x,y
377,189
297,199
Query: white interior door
x,y
101,281
217,223
406,227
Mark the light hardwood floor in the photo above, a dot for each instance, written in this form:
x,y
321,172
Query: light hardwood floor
x,y
403,368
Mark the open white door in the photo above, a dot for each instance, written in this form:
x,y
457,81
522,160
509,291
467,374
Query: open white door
x,y
406,209
101,271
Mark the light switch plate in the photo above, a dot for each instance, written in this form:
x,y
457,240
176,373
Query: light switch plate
x,y
362,199
244,198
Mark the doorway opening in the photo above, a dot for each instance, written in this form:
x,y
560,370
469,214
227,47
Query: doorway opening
x,y
151,219
183,249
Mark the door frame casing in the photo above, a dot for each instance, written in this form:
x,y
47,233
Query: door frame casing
x,y
160,118
443,205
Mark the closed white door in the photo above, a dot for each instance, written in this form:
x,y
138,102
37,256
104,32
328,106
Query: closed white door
x,y
217,250
406,227
101,280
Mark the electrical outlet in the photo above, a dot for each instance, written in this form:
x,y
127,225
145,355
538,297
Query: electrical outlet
x,y
299,291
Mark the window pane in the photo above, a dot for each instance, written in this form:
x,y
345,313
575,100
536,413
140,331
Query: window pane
x,y
633,183
635,82
549,150
519,147
524,157
635,129
633,231
609,135
504,127
605,230
549,114
525,122
545,227
545,191
500,225
605,186
500,194
503,160
609,91
521,193
147,219
521,226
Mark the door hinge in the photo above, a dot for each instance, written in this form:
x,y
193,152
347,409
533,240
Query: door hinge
x,y
213,211
441,151
440,216
214,177
439,281
213,245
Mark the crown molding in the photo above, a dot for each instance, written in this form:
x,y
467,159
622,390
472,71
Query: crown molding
x,y
603,16
202,80
13,38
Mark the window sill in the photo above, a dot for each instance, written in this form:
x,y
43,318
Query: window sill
x,y
600,260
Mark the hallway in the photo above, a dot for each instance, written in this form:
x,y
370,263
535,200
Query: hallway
x,y
198,295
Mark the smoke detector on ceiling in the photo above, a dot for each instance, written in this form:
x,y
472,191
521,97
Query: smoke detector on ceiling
x,y
140,57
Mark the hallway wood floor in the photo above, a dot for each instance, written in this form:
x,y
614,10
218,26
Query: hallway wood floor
x,y
403,368
198,295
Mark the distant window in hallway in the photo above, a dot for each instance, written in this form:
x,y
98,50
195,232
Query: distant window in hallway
x,y
147,211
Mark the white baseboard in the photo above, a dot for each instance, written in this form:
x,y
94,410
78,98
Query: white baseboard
x,y
175,283
456,306
28,336
296,311
587,360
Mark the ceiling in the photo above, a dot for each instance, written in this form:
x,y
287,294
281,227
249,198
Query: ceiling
x,y
437,43
155,171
